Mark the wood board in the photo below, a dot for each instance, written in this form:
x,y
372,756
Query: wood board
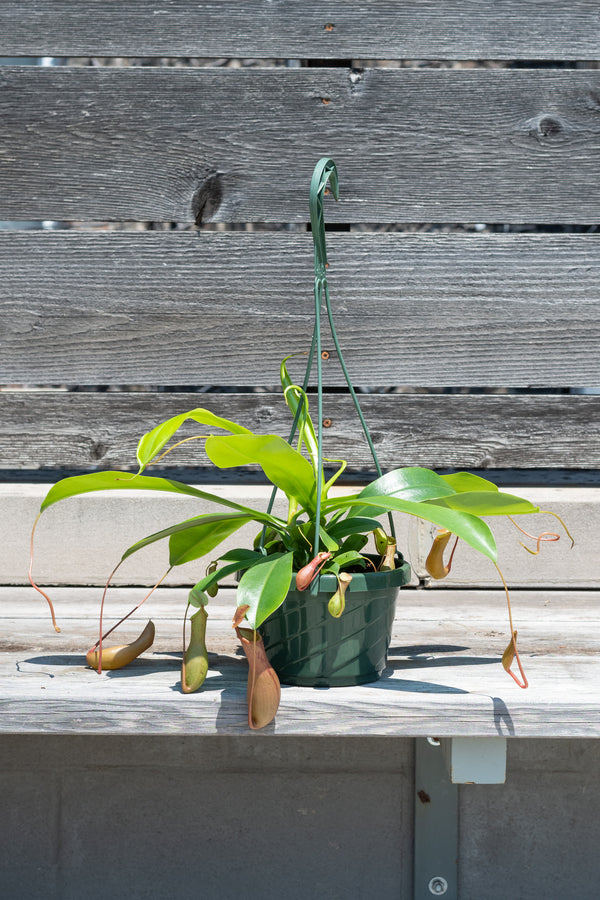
x,y
445,29
444,676
239,145
421,310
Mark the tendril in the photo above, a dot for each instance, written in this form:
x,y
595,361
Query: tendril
x,y
195,437
32,582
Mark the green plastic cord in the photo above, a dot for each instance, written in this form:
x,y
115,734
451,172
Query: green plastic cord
x,y
325,172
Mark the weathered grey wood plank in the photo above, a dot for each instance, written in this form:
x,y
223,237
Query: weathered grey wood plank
x,y
483,145
455,622
437,683
540,29
87,430
421,310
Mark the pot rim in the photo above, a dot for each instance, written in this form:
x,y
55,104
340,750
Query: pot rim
x,y
362,581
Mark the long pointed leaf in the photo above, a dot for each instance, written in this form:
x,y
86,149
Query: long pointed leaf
x,y
487,503
462,482
122,481
264,587
194,543
152,443
352,525
238,566
283,466
469,527
409,483
207,522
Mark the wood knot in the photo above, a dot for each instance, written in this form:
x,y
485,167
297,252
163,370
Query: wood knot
x,y
98,450
546,127
207,198
593,100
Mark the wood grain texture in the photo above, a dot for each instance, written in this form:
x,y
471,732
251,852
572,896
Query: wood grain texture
x,y
447,29
444,677
89,430
234,145
196,309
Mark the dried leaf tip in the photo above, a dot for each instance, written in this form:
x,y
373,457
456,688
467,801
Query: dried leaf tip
x,y
239,615
508,657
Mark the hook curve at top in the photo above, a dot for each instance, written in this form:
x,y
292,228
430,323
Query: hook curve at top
x,y
325,172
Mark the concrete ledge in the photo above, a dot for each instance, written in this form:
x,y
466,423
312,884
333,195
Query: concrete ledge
x,y
80,540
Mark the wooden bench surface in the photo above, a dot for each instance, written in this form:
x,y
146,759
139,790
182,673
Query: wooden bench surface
x,y
444,676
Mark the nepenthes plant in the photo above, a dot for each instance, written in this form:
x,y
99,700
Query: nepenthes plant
x,y
321,535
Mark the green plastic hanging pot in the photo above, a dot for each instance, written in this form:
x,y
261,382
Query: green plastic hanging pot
x,y
308,647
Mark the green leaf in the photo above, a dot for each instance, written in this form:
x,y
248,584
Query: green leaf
x,y
153,442
264,587
293,401
241,555
469,527
409,483
487,503
354,542
351,557
328,541
462,482
239,565
196,542
352,525
283,466
197,597
122,481
207,522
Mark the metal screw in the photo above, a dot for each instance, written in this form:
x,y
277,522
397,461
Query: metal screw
x,y
438,885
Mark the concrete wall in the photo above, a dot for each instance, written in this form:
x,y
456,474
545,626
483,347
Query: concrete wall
x,y
272,818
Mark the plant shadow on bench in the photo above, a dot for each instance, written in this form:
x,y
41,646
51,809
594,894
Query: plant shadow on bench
x,y
167,661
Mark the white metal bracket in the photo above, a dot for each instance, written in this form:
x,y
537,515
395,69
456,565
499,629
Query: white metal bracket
x,y
471,760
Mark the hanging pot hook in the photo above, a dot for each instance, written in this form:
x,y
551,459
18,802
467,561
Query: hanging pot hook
x,y
325,172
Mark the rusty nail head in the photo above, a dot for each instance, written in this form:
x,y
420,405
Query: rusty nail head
x,y
326,423
330,26
325,354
